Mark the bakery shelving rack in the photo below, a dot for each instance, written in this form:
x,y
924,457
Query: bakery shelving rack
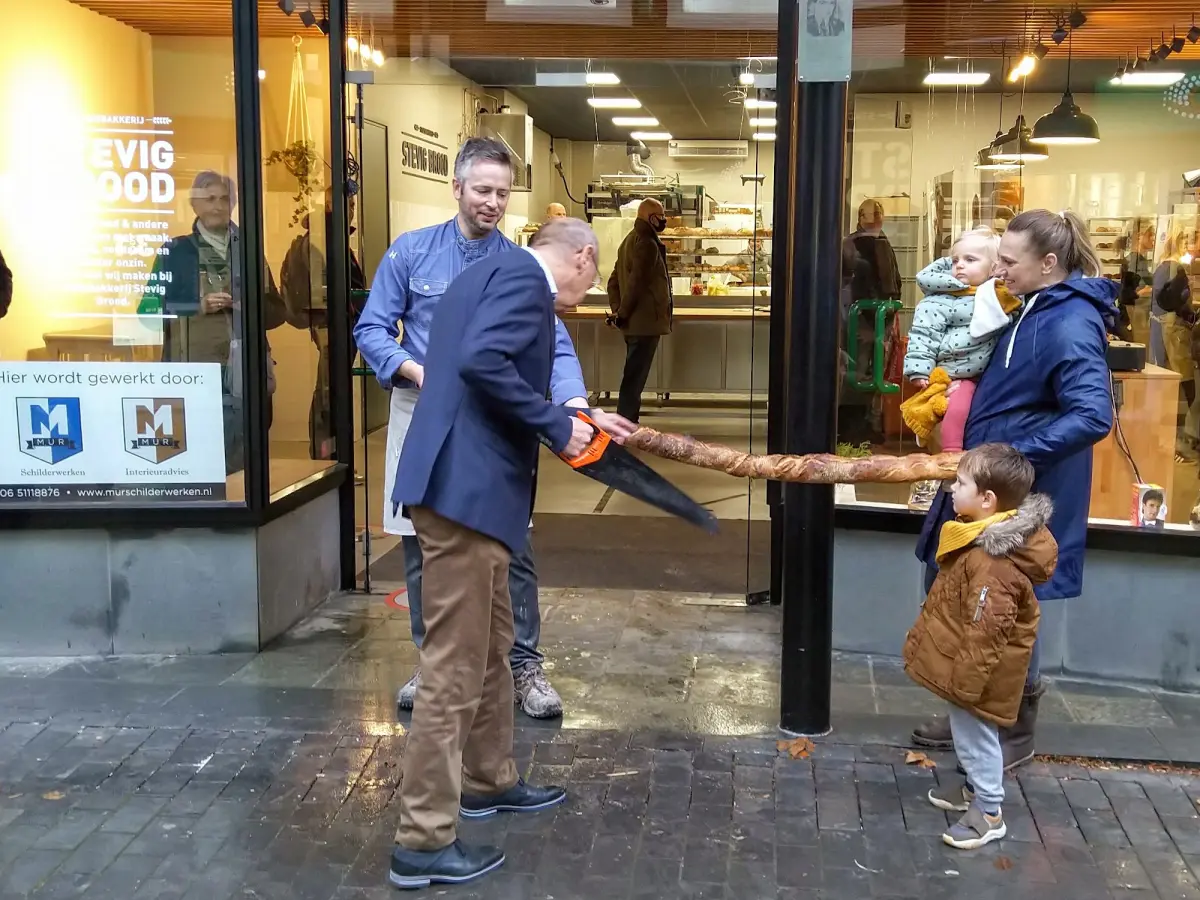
x,y
686,262
1113,239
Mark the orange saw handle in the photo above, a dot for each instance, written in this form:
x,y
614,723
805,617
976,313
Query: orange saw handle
x,y
594,450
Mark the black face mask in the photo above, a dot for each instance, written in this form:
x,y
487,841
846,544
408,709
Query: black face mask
x,y
659,225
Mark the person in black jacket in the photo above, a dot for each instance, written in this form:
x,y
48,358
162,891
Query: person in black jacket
x,y
305,286
639,294
869,272
1173,329
6,287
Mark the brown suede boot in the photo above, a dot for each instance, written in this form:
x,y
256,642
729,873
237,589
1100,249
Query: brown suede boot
x,y
934,734
1017,742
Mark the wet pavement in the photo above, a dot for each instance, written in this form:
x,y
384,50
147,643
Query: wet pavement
x,y
275,775
622,660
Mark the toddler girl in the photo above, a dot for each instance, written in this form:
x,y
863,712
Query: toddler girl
x,y
954,331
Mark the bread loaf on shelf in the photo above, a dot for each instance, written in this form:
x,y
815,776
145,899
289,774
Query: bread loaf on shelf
x,y
816,468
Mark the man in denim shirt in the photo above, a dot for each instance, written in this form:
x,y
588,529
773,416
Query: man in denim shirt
x,y
408,284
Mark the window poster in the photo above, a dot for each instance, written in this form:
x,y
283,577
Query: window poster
x,y
80,433
824,46
130,159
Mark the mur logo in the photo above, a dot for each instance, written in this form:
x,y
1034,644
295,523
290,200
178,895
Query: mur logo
x,y
155,429
49,428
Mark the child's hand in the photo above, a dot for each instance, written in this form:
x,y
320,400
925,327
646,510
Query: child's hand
x,y
920,383
953,387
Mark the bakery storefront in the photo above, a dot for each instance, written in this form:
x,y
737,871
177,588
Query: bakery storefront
x,y
942,136
156,122
165,403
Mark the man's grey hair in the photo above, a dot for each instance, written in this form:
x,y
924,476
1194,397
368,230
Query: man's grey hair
x,y
570,234
208,178
477,150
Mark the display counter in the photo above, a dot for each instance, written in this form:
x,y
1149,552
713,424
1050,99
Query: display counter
x,y
718,345
1149,406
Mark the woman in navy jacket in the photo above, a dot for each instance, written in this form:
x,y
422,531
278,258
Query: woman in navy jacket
x,y
1046,392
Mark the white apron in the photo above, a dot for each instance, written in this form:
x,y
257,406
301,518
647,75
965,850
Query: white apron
x,y
404,400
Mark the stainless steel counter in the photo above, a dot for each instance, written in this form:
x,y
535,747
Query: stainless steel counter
x,y
719,345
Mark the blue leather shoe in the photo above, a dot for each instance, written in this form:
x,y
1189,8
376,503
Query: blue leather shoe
x,y
521,797
454,864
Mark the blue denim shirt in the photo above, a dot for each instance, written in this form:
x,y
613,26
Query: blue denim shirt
x,y
410,280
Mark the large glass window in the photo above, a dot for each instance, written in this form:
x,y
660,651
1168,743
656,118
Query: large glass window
x,y
122,365
597,139
297,201
929,161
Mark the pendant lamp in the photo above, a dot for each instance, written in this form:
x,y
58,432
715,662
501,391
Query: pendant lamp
x,y
986,159
1066,123
1017,145
986,162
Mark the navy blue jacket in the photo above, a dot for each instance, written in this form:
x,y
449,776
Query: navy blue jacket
x,y
1046,392
472,448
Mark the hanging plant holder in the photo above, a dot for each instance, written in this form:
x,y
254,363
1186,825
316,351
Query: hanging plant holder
x,y
296,167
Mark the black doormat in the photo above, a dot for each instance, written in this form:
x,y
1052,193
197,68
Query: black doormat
x,y
647,553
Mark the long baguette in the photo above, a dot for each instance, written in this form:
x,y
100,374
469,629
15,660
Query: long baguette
x,y
816,468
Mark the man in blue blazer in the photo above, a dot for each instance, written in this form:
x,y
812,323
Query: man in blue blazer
x,y
465,479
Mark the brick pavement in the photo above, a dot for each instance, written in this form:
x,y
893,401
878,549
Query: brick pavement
x,y
303,811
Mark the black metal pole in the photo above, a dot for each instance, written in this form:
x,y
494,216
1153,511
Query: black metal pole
x,y
341,392
811,396
248,125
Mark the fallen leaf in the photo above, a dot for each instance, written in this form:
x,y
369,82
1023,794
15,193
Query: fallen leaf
x,y
916,758
1003,863
53,795
797,748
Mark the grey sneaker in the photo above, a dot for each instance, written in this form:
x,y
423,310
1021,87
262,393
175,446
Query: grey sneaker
x,y
975,829
955,797
408,694
534,695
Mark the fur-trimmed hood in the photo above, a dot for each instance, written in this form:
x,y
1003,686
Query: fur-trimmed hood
x,y
1024,539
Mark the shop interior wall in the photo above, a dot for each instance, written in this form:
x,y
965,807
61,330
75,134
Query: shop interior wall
x,y
65,62
408,92
1134,169
58,63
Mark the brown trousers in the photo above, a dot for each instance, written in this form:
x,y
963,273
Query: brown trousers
x,y
462,726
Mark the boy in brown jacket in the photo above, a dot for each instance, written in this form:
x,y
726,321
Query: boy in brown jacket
x,y
972,642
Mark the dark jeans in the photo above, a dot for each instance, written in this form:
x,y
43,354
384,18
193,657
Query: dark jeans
x,y
523,592
1035,661
639,357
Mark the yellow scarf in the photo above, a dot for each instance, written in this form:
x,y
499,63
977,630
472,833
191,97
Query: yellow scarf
x,y
956,535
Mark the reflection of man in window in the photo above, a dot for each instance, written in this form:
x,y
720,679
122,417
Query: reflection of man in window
x,y
825,18
305,284
754,264
869,272
196,288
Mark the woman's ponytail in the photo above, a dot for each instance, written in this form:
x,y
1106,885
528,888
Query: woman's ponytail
x,y
1063,234
1082,255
